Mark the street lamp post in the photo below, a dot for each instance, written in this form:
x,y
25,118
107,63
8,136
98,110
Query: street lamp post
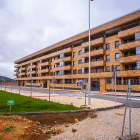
x,y
89,59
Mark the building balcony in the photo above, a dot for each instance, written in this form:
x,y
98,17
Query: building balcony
x,y
15,70
33,66
15,74
129,59
23,73
22,69
96,42
44,71
63,68
69,58
128,33
44,64
92,64
130,45
32,72
93,53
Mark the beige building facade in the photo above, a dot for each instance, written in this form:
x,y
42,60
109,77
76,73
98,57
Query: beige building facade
x,y
114,45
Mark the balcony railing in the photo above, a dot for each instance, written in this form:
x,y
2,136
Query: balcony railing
x,y
93,53
33,66
129,58
69,67
44,64
96,42
129,45
65,59
44,71
129,32
92,64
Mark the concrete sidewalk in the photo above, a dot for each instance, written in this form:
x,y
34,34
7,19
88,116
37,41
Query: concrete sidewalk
x,y
76,101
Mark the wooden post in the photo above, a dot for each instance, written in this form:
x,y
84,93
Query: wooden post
x,y
10,107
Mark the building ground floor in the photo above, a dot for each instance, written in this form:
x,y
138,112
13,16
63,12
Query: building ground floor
x,y
97,84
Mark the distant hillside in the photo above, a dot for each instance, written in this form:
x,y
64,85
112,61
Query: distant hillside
x,y
3,78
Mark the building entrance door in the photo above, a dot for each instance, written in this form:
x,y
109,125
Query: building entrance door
x,y
95,85
45,84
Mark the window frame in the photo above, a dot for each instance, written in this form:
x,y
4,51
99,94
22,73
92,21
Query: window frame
x,y
107,59
117,59
116,46
107,69
108,46
119,67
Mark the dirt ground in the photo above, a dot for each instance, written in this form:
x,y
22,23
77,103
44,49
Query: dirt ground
x,y
107,125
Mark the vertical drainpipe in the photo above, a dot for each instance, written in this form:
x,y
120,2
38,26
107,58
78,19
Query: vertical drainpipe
x,y
105,58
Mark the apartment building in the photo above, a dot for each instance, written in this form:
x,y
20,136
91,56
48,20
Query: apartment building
x,y
114,45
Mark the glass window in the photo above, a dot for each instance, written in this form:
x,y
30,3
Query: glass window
x,y
97,59
80,71
80,52
73,63
117,44
125,41
74,54
108,81
108,58
97,48
126,67
80,61
108,69
97,70
108,46
117,56
74,71
62,55
125,54
117,68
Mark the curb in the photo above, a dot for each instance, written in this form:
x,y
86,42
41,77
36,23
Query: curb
x,y
65,112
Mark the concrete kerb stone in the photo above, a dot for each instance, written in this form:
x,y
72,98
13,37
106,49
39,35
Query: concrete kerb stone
x,y
62,112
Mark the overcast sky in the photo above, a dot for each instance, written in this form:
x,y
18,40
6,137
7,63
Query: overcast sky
x,y
27,26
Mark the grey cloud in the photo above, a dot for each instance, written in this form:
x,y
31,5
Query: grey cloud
x,y
28,26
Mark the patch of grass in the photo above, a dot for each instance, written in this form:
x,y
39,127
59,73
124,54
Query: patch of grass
x,y
26,104
9,128
10,118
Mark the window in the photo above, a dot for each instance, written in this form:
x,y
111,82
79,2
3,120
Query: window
x,y
73,63
108,58
97,70
107,46
80,52
125,54
50,81
97,59
80,71
117,68
117,56
54,66
51,59
125,41
54,73
50,67
62,55
117,44
126,67
74,54
108,81
97,48
74,71
80,61
108,69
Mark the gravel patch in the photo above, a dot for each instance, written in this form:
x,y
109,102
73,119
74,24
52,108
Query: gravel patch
x,y
106,126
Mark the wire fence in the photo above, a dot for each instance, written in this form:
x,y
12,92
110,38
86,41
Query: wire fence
x,y
77,98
